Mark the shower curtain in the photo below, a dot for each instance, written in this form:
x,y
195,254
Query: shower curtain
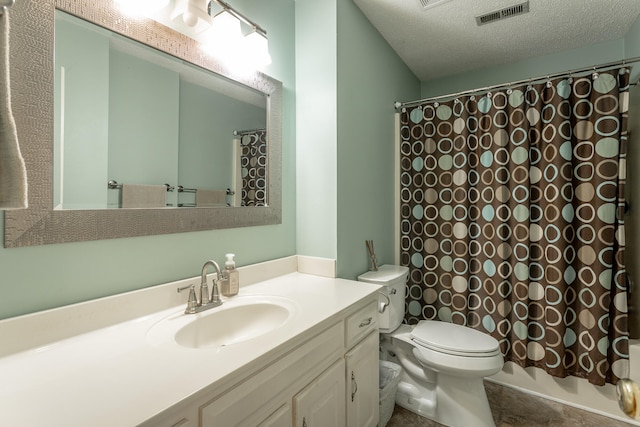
x,y
253,164
512,220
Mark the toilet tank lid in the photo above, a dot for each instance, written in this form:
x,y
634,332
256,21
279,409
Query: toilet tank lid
x,y
452,337
385,274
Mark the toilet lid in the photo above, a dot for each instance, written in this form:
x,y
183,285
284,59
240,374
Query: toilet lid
x,y
384,275
454,339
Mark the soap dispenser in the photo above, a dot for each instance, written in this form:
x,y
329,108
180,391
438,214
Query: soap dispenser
x,y
231,284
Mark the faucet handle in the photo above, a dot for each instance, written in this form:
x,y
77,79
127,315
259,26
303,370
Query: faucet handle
x,y
192,303
215,293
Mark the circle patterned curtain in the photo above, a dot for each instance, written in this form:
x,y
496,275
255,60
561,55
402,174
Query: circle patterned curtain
x,y
512,220
253,164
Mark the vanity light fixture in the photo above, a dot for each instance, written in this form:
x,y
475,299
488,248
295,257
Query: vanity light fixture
x,y
257,47
225,38
215,24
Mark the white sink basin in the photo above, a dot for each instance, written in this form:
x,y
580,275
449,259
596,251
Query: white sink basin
x,y
237,320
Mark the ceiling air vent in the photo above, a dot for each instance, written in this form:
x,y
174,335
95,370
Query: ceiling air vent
x,y
501,14
426,4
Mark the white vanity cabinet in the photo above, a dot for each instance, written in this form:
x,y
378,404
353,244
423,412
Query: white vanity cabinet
x,y
311,384
321,403
362,383
263,398
119,361
362,371
280,418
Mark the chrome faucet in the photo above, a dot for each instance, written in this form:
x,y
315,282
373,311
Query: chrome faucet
x,y
204,291
206,302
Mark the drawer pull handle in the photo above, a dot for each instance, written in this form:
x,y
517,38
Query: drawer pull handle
x,y
304,422
354,386
366,322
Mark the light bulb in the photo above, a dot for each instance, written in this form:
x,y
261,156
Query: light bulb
x,y
193,13
257,49
225,36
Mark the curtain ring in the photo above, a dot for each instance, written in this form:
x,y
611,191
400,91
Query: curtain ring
x,y
489,95
509,91
595,75
436,104
472,98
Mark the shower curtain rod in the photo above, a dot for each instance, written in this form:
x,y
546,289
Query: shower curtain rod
x,y
601,67
244,132
4,4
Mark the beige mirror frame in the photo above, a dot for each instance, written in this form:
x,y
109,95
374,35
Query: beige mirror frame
x,y
32,86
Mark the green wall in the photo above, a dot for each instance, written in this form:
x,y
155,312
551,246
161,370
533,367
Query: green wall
x,y
371,77
347,80
41,277
316,132
632,47
338,135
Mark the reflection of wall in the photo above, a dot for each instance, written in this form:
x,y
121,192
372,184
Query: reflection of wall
x,y
143,122
156,127
207,122
82,64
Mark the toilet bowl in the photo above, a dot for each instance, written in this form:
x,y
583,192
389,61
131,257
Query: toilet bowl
x,y
443,364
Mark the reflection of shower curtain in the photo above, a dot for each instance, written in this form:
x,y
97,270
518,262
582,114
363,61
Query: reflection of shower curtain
x,y
511,220
253,163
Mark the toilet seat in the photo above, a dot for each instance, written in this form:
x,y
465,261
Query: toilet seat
x,y
457,340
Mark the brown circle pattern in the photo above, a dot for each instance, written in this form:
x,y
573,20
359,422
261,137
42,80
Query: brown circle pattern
x,y
253,164
512,212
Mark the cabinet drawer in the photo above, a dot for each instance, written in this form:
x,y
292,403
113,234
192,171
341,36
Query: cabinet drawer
x,y
360,323
253,401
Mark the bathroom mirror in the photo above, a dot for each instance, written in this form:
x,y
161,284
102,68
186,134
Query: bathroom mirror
x,y
132,114
32,59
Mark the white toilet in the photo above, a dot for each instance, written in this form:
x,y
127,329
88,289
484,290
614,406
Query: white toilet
x,y
443,364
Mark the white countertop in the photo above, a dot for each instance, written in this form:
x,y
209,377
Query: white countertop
x,y
115,376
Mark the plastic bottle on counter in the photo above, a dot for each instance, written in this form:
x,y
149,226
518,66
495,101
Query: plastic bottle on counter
x,y
231,285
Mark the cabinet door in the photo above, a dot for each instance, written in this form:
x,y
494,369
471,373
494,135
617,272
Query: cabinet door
x,y
322,402
280,418
362,383
185,422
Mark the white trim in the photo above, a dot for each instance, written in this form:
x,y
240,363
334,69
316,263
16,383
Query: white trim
x,y
324,267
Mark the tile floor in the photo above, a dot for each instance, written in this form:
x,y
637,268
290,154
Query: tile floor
x,y
512,408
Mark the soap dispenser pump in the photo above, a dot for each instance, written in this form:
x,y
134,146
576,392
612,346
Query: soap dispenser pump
x,y
231,284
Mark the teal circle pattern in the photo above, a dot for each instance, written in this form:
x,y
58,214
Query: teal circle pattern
x,y
511,218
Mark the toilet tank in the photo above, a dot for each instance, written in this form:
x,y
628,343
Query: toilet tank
x,y
391,279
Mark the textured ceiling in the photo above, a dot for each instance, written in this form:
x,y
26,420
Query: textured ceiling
x,y
444,39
